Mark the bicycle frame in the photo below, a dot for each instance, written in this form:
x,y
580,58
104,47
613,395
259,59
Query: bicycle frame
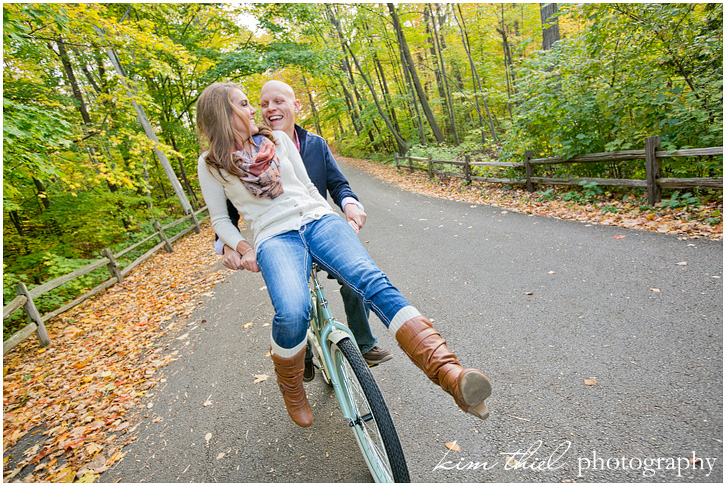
x,y
324,327
323,330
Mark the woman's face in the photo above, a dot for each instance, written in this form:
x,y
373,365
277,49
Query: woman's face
x,y
240,101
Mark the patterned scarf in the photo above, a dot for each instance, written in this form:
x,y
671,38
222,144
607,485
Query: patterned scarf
x,y
262,170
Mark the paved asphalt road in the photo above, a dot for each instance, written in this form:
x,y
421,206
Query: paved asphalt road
x,y
593,313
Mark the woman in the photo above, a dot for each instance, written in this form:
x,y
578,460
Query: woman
x,y
263,176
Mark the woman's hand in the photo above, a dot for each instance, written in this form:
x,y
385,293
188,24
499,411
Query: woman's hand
x,y
248,259
231,258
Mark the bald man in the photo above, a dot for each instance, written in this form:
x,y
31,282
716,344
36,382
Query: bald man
x,y
279,108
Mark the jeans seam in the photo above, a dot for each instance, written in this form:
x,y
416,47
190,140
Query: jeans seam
x,y
337,275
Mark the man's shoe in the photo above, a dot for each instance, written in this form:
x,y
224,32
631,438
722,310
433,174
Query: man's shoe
x,y
309,373
377,355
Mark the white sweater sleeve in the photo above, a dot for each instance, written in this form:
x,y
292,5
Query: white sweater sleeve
x,y
214,196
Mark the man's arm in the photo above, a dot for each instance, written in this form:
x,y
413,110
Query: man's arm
x,y
341,192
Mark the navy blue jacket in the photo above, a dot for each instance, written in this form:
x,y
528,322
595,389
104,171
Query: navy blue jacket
x,y
322,170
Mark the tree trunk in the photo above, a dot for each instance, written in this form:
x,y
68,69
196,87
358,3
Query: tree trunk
x,y
406,86
342,129
183,173
433,50
148,129
447,90
403,148
508,63
386,93
550,25
352,110
475,79
42,194
312,106
16,222
82,107
408,60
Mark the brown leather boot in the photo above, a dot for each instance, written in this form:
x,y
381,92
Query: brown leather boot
x,y
427,349
289,373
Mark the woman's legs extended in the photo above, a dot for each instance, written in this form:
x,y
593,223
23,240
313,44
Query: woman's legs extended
x,y
335,246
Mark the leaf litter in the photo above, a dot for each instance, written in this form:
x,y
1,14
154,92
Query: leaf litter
x,y
77,400
686,224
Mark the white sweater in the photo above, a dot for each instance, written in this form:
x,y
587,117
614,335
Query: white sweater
x,y
299,202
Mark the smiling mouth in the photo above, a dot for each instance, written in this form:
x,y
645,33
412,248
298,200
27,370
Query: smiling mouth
x,y
275,118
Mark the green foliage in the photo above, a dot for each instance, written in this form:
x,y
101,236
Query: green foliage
x,y
574,196
715,218
592,190
637,70
679,200
548,195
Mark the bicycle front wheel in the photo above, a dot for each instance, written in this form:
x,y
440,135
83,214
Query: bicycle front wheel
x,y
372,423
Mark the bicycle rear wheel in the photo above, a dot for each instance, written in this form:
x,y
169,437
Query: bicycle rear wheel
x,y
372,423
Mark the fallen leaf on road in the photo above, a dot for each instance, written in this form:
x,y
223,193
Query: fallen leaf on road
x,y
683,264
618,237
512,463
590,381
453,446
260,378
528,293
220,455
246,325
655,290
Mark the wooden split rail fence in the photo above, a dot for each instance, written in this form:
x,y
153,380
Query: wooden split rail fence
x,y
25,297
652,155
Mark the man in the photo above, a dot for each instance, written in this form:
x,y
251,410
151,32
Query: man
x,y
279,107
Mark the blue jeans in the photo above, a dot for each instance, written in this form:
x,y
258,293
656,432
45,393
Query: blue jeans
x,y
330,242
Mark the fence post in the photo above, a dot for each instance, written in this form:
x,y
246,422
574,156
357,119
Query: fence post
x,y
113,268
467,169
34,315
162,235
431,166
529,170
652,169
410,164
195,221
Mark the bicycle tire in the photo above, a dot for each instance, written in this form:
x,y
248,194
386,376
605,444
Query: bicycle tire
x,y
374,431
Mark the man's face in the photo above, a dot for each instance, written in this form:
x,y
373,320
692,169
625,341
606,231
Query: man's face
x,y
279,106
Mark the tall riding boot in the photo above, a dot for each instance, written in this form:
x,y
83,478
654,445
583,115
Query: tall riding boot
x,y
289,373
427,349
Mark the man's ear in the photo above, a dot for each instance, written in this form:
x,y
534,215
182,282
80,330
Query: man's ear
x,y
297,106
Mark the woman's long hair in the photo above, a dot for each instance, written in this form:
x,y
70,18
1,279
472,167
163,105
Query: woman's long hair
x,y
214,127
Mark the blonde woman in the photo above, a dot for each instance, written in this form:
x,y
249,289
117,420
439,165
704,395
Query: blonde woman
x,y
261,173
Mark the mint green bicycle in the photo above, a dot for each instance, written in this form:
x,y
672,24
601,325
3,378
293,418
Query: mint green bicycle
x,y
342,366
